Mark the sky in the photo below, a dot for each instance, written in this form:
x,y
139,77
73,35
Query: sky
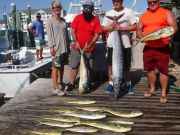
x,y
22,4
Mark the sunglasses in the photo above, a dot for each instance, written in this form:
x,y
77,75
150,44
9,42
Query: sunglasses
x,y
87,7
152,2
56,7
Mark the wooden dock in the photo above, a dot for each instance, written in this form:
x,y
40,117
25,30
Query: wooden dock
x,y
22,113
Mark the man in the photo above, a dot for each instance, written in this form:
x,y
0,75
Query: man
x,y
58,42
37,29
85,32
125,25
156,52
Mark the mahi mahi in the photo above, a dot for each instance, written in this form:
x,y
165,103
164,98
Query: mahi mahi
x,y
161,33
107,126
84,75
43,132
63,118
82,129
125,114
57,124
82,102
86,115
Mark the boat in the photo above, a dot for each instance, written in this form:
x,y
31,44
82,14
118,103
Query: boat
x,y
18,69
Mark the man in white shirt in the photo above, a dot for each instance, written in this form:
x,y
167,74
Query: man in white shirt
x,y
125,25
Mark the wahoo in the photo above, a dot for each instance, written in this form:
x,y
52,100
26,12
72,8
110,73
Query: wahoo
x,y
117,58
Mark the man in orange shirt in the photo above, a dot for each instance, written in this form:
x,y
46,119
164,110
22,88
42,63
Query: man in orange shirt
x,y
156,52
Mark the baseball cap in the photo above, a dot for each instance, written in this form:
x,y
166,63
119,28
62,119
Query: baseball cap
x,y
88,2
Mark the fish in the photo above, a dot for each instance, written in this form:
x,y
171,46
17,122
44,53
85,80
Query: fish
x,y
56,124
86,115
161,33
63,110
82,102
46,132
63,119
125,114
126,122
90,108
84,75
82,129
117,58
107,126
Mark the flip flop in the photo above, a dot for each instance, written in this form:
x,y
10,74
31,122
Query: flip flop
x,y
163,99
149,94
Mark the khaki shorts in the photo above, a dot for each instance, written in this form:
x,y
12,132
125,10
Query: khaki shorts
x,y
75,59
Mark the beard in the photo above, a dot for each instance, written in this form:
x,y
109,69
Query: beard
x,y
88,16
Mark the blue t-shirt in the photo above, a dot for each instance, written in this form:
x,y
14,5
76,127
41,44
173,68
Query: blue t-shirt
x,y
39,29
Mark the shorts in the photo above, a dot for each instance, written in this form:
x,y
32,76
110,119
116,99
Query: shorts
x,y
75,59
126,57
39,44
156,58
59,61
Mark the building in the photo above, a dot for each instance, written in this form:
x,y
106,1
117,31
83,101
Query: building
x,y
45,14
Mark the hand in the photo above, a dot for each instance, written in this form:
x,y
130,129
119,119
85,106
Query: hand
x,y
77,46
52,51
118,28
36,35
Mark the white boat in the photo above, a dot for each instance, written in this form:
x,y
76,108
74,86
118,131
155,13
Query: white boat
x,y
19,68
76,8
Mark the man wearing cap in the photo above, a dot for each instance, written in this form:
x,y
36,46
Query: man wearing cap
x,y
58,44
37,29
85,32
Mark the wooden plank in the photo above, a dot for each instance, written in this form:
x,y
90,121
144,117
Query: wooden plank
x,y
23,112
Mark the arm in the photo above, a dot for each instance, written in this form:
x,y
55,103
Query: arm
x,y
30,28
172,21
73,33
139,30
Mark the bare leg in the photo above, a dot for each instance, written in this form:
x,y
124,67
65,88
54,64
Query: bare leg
x,y
110,73
55,75
73,75
40,53
164,83
60,75
37,54
152,80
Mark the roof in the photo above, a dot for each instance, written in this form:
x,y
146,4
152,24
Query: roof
x,y
33,11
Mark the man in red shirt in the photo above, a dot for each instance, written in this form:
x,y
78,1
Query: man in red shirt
x,y
156,52
85,30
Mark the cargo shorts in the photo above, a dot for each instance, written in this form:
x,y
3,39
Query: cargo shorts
x,y
75,57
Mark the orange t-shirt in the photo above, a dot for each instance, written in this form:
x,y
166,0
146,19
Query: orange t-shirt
x,y
153,21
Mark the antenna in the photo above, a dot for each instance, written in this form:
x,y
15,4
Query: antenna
x,y
133,5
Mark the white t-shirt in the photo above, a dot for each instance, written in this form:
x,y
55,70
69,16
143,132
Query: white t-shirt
x,y
126,20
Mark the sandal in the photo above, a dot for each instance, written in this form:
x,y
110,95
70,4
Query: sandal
x,y
149,94
163,99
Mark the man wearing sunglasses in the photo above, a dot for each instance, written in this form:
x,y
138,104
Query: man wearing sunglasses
x,y
85,30
58,43
156,52
125,25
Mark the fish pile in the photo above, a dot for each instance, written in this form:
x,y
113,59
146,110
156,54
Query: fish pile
x,y
86,119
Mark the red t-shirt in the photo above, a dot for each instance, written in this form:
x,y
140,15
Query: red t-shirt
x,y
153,21
85,31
